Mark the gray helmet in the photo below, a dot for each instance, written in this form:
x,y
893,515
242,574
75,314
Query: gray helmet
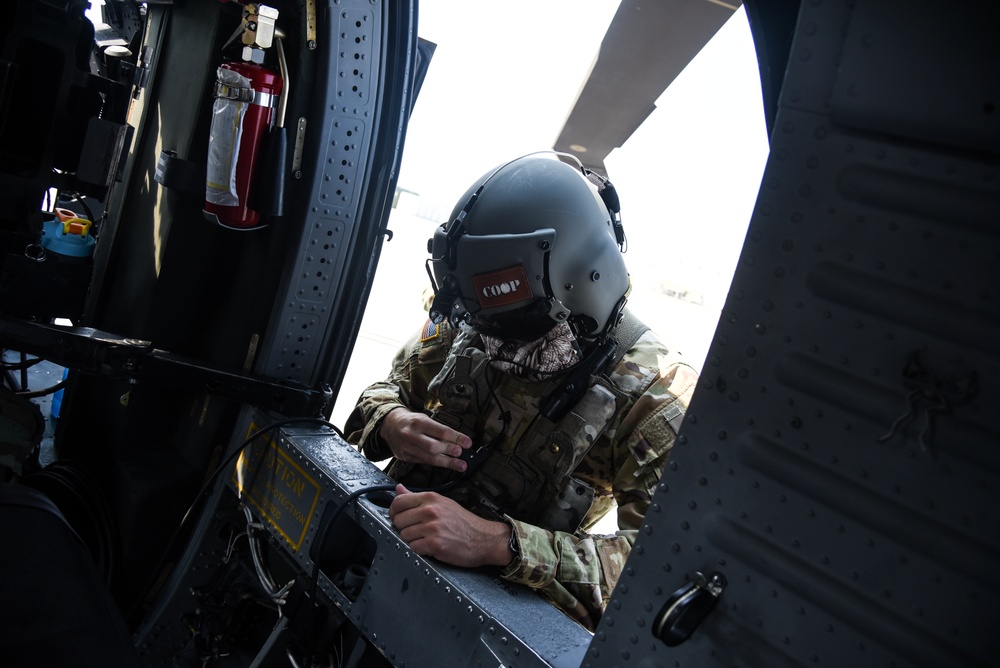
x,y
534,240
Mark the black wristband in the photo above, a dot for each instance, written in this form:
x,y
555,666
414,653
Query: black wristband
x,y
512,544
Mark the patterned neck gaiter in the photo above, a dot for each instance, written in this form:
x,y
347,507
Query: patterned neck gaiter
x,y
535,360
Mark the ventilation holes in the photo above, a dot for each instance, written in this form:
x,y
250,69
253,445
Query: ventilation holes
x,y
356,30
346,139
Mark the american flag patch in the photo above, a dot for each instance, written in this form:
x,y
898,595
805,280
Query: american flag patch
x,y
431,331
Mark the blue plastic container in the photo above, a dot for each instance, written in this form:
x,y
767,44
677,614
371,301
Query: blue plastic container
x,y
67,239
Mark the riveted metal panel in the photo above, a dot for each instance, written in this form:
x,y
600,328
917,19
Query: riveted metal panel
x,y
838,465
348,91
454,614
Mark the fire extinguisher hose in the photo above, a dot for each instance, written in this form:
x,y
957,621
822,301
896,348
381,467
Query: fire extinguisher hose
x,y
279,121
271,180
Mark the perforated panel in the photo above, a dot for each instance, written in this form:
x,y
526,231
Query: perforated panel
x,y
337,194
839,464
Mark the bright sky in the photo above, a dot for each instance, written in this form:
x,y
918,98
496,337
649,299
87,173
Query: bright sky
x,y
505,76
502,80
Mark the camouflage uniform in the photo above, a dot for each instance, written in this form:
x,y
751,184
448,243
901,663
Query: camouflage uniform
x,y
550,481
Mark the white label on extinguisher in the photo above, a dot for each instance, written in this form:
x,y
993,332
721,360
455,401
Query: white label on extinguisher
x,y
224,143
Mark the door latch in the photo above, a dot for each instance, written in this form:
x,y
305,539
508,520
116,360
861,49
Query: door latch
x,y
687,607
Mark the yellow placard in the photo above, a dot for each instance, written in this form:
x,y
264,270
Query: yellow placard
x,y
278,487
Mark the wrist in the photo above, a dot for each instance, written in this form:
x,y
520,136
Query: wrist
x,y
513,546
508,549
384,427
386,419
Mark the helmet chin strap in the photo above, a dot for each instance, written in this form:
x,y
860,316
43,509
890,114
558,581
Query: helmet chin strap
x,y
572,389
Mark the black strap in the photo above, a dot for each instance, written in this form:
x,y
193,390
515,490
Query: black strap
x,y
626,333
600,359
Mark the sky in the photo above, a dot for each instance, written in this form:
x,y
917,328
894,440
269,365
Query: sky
x,y
504,77
502,81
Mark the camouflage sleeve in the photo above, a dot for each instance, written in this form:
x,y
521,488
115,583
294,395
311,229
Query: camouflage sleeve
x,y
648,433
578,572
575,571
413,366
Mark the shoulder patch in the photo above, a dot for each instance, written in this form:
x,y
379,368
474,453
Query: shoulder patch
x,y
430,331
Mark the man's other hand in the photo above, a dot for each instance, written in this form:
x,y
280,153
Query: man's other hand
x,y
418,439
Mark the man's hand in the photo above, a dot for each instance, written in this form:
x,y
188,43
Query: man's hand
x,y
435,526
416,438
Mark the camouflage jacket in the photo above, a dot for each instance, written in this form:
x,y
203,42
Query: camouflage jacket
x,y
621,461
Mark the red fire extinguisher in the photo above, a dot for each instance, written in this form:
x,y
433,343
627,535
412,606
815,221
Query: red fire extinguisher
x,y
246,95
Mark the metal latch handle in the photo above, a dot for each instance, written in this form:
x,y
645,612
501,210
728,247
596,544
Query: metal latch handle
x,y
687,607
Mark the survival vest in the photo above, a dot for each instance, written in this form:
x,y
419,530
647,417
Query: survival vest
x,y
532,453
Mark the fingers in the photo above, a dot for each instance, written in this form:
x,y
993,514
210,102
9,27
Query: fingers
x,y
453,441
416,438
439,439
449,462
405,510
421,520
423,450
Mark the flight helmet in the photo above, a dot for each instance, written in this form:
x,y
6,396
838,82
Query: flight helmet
x,y
532,243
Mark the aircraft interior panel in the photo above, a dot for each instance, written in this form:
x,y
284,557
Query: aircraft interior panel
x,y
832,499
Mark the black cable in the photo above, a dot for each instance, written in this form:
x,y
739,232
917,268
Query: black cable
x,y
491,385
86,209
34,394
239,449
210,483
17,366
324,530
317,555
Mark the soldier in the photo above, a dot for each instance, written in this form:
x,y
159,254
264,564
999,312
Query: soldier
x,y
532,402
